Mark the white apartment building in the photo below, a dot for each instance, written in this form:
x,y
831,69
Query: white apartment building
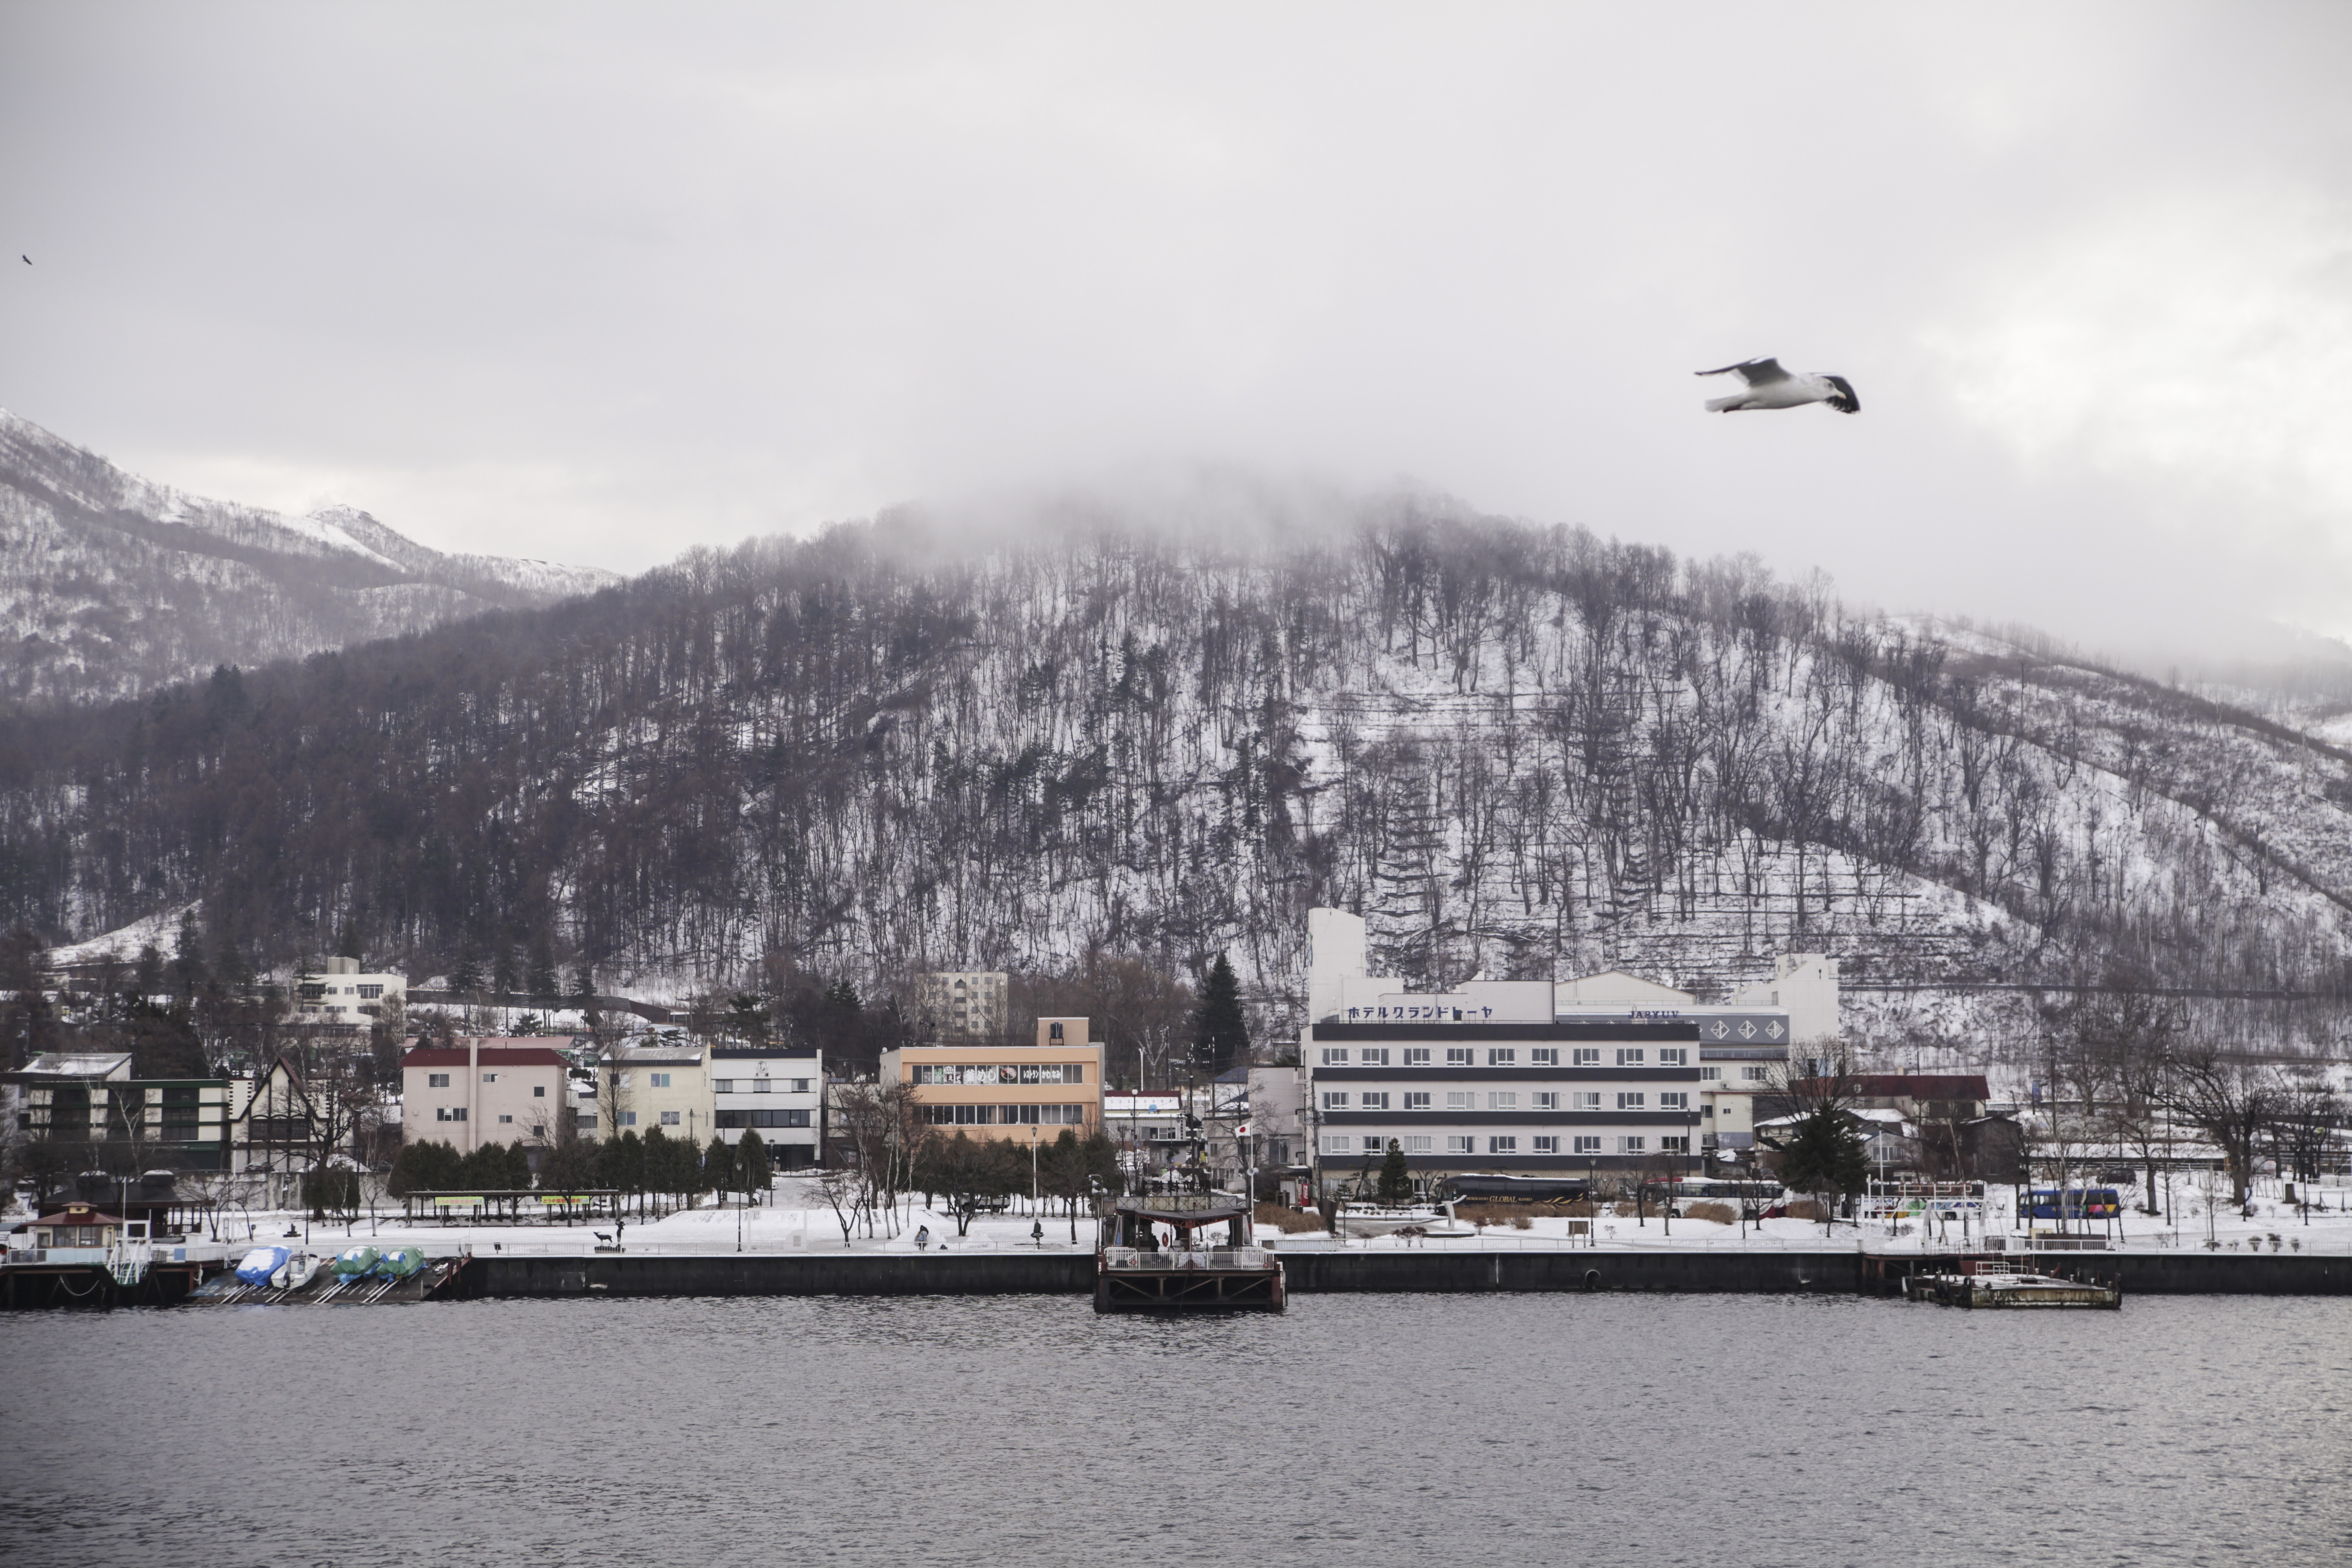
x,y
338,993
778,1093
961,1003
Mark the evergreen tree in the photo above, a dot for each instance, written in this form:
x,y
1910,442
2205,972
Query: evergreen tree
x,y
189,971
1396,1180
148,977
1220,1031
503,976
752,1164
621,1162
347,941
545,989
1824,1157
466,974
584,992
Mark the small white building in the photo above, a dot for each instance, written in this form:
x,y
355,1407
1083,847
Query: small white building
x,y
774,1090
338,993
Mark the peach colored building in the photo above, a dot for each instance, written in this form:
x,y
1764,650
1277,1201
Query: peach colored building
x,y
484,1091
1008,1091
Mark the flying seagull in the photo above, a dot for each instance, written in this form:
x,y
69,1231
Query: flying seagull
x,y
1769,386
26,259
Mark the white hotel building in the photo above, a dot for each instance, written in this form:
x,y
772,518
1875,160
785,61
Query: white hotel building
x,y
1523,1078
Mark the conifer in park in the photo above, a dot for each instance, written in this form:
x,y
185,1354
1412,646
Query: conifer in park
x,y
717,1166
1396,1180
751,1171
1824,1157
1220,1031
465,975
545,989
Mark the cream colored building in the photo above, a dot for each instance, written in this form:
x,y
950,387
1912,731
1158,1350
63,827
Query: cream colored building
x,y
1008,1091
665,1084
961,1003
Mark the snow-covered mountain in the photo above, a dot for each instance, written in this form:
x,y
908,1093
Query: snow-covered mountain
x,y
1525,751
111,584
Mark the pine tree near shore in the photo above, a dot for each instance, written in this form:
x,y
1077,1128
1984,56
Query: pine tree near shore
x,y
1220,1031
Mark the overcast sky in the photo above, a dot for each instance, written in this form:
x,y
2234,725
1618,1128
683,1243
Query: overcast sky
x,y
598,285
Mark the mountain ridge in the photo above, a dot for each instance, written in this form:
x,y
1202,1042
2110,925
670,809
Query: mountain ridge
x,y
112,585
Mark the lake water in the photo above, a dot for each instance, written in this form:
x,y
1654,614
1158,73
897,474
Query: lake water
x,y
1354,1430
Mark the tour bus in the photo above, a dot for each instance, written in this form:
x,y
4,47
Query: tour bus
x,y
2076,1202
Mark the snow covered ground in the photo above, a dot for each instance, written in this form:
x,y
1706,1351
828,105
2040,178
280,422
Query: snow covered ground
x,y
796,1220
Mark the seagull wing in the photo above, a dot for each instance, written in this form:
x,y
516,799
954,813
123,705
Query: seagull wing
x,y
1754,372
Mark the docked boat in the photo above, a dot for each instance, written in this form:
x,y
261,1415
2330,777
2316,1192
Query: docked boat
x,y
1413,1220
2011,1288
296,1272
1159,1252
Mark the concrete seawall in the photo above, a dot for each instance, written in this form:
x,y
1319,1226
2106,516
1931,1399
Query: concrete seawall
x,y
1053,1274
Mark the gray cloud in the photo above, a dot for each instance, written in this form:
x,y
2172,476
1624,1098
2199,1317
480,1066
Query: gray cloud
x,y
599,285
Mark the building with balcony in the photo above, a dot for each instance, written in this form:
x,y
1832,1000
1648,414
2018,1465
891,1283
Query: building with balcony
x,y
1007,1091
775,1092
961,1003
339,995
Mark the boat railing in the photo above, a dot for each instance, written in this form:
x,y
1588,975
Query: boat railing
x,y
1193,1257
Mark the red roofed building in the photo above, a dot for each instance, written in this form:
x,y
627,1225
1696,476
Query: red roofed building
x,y
484,1090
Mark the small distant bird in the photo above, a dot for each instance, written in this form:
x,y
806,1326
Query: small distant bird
x,y
1769,386
27,259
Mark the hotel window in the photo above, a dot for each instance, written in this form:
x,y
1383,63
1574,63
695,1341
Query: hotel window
x,y
1629,1056
1335,1055
1502,1055
1416,1056
1417,1143
1335,1099
1635,1144
437,1080
1631,1100
1337,1143
1460,1055
1546,1100
1416,1100
1588,1145
1375,1100
1376,1145
1585,1099
1710,1075
722,1086
659,1081
1546,1145
1375,1056
1588,1055
1461,1144
1461,1100
489,1078
1673,1056
800,1085
1503,1099
1502,1143
1752,1075
1676,1145
669,1119
1673,1099
1545,1056
370,992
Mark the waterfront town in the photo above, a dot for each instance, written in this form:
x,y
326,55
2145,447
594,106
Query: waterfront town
x,y
1605,1112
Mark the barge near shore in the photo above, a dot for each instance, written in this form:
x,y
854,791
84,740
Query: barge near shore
x,y
1136,1270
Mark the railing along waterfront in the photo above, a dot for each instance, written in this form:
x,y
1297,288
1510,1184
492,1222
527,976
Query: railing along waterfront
x,y
1197,1257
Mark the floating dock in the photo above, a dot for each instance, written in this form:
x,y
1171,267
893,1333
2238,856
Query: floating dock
x,y
1991,1282
1138,1270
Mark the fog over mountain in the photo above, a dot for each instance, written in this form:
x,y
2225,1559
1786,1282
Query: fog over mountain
x,y
1011,740
111,584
